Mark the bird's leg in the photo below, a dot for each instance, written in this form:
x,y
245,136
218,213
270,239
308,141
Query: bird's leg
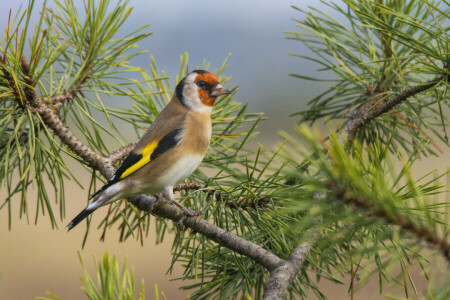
x,y
158,200
186,212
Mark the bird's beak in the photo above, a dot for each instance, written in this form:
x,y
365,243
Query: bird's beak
x,y
219,90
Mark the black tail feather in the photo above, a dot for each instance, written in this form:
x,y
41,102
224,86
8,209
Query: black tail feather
x,y
80,217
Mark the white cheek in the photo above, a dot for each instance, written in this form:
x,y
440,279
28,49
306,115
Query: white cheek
x,y
191,99
190,95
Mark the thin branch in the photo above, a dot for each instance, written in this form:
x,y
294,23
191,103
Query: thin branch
x,y
283,276
224,238
188,186
391,217
144,203
120,154
51,119
56,100
373,108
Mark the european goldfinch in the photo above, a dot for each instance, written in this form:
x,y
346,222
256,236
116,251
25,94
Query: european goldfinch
x,y
171,149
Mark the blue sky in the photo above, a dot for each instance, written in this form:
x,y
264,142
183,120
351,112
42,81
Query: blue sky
x,y
251,30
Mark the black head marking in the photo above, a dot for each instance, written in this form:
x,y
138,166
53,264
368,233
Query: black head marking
x,y
179,91
204,86
201,72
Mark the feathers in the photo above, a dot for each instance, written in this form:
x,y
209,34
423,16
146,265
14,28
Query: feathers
x,y
103,196
171,140
135,161
80,217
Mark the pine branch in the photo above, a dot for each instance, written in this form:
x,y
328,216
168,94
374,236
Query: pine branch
x,y
51,119
212,193
373,109
187,186
120,154
55,100
391,217
224,238
284,271
282,276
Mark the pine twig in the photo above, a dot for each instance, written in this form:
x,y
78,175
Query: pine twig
x,y
212,193
224,238
120,154
372,110
52,120
144,203
391,217
283,276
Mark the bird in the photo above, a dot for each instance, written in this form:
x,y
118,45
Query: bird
x,y
170,150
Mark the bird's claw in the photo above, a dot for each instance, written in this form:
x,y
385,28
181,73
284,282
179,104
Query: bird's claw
x,y
186,212
158,201
159,198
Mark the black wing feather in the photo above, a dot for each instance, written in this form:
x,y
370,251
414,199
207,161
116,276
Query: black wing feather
x,y
80,217
130,160
170,140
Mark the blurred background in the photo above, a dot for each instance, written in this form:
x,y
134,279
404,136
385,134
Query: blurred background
x,y
34,259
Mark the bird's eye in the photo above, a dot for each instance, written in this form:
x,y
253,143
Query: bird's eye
x,y
201,84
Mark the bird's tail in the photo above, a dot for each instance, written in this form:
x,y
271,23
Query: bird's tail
x,y
102,197
80,217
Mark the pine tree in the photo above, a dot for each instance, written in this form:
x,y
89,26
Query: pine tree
x,y
325,203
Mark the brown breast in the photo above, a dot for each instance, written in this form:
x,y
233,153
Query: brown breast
x,y
198,132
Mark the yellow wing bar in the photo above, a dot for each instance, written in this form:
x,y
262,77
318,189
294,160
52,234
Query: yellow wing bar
x,y
146,153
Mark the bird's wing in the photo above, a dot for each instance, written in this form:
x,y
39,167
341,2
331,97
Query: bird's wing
x,y
137,159
155,148
164,134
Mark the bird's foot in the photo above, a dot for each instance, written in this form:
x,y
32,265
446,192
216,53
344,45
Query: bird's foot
x,y
159,200
185,212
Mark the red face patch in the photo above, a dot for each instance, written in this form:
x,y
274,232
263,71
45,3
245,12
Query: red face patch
x,y
204,96
208,78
